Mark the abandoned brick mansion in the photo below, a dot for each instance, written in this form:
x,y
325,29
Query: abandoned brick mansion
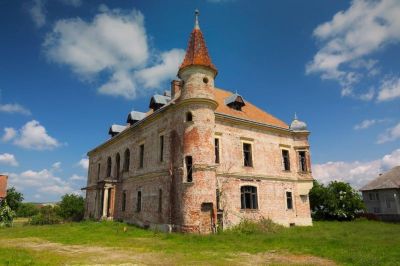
x,y
200,158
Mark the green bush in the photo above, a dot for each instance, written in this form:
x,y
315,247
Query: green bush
x,y
14,198
336,201
261,226
27,210
46,215
6,214
72,207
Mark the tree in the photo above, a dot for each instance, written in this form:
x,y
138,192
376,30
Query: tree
x,y
6,214
72,207
14,198
336,201
27,210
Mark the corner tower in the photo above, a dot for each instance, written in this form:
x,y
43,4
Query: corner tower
x,y
197,187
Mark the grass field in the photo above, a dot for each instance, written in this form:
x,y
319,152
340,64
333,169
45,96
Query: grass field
x,y
326,243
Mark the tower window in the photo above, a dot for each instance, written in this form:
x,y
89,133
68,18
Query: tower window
x,y
302,161
141,156
189,117
216,147
286,160
161,148
247,156
109,167
127,158
248,196
289,200
139,201
189,168
205,80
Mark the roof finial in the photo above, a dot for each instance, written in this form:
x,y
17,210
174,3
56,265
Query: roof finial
x,y
196,19
295,116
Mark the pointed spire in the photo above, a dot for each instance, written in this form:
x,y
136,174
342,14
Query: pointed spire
x,y
295,116
196,52
196,19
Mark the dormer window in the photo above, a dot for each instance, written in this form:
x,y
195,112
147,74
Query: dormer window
x,y
235,101
134,117
158,101
115,130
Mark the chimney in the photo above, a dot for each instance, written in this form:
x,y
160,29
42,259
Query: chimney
x,y
175,88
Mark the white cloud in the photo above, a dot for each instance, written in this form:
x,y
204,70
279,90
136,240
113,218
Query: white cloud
x,y
84,163
389,89
114,43
9,134
367,123
14,108
391,134
77,177
350,38
356,173
31,136
37,12
8,159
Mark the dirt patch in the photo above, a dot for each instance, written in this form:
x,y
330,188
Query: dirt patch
x,y
95,255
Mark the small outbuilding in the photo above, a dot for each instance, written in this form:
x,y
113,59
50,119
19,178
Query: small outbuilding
x,y
382,195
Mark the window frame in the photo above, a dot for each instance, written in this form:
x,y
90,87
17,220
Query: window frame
x,y
161,140
286,167
289,200
109,166
250,163
248,197
139,201
189,168
217,149
123,205
141,155
303,164
127,160
118,165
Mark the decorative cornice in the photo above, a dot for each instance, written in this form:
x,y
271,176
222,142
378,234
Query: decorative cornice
x,y
263,177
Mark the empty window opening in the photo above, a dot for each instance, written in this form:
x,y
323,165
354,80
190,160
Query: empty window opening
x,y
302,161
123,201
117,165
109,167
189,117
139,201
248,195
189,168
218,199
160,200
286,160
248,160
162,148
127,158
141,156
216,145
205,80
98,171
289,200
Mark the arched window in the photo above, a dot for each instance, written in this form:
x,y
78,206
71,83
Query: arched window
x,y
127,158
109,167
189,117
117,165
248,196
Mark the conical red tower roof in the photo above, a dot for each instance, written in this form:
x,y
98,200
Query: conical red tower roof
x,y
196,52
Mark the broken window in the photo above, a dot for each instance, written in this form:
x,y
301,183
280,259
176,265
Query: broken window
x,y
189,117
117,164
216,145
302,161
127,158
141,156
285,159
161,148
189,168
123,201
160,200
109,167
248,195
289,200
248,160
139,201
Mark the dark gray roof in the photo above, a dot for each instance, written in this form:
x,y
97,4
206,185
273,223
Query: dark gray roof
x,y
390,179
232,99
135,116
115,129
167,93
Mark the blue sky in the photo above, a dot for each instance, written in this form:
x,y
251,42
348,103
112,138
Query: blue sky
x,y
71,68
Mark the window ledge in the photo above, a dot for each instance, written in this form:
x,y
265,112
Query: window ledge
x,y
250,210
